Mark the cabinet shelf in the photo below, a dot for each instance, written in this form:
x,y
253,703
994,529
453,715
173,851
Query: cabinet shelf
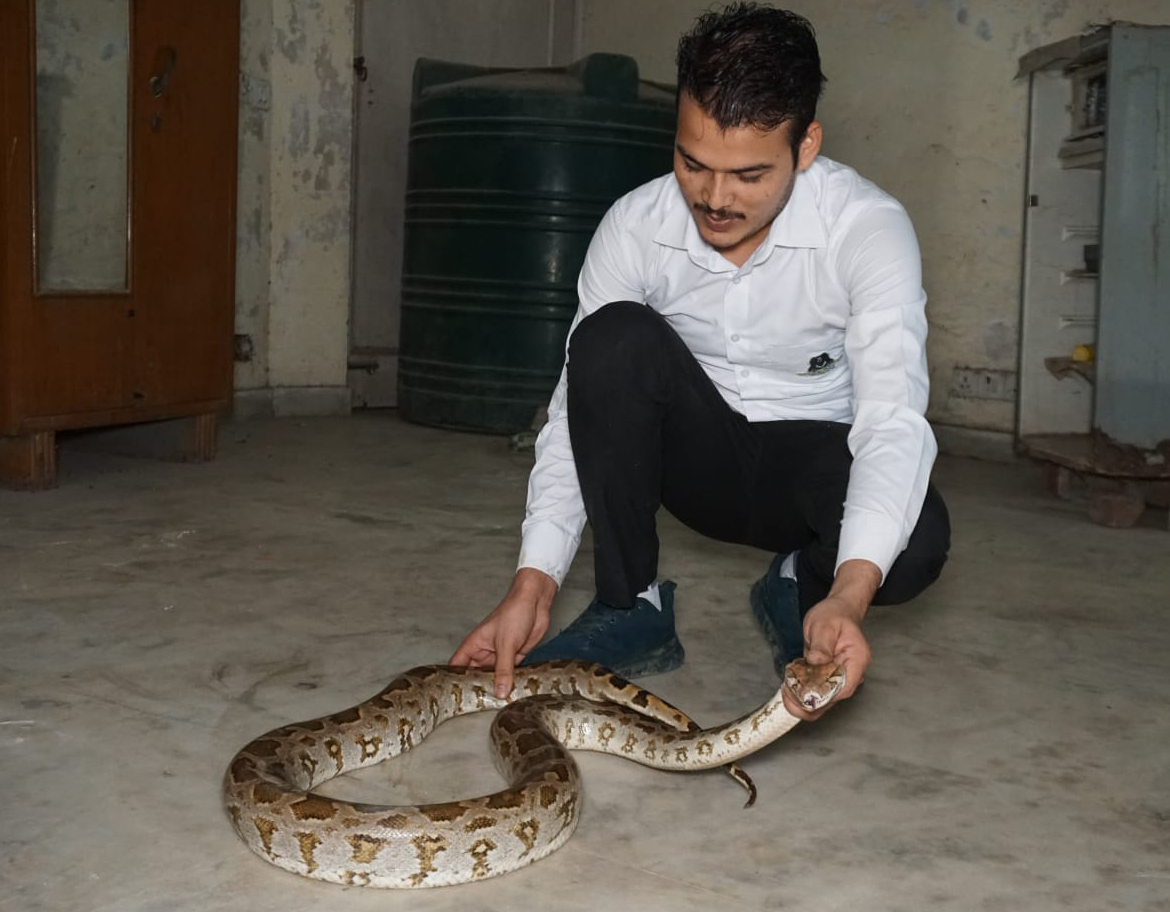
x,y
1083,152
1063,366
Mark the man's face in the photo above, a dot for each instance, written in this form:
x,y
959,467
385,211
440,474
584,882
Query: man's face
x,y
736,181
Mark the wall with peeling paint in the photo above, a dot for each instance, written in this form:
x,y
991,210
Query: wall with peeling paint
x,y
253,205
293,248
921,99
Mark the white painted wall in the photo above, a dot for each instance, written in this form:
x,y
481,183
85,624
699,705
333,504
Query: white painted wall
x,y
922,100
295,204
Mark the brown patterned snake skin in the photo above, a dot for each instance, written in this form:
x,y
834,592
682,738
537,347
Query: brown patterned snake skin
x,y
554,706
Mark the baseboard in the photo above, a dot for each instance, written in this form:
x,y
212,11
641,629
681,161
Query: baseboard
x,y
291,401
976,443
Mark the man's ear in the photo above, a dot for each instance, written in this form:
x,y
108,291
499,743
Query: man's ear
x,y
810,146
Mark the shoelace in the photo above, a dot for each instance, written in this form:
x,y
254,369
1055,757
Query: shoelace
x,y
594,620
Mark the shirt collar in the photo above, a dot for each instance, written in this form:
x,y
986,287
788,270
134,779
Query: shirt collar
x,y
673,230
798,225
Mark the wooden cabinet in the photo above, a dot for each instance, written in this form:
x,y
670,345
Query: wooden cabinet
x,y
143,332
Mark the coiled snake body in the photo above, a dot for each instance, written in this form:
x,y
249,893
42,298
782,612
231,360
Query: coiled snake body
x,y
556,705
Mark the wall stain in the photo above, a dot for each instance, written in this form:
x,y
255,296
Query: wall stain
x,y
1055,10
334,126
290,43
321,184
299,128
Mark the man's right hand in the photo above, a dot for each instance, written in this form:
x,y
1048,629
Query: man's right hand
x,y
516,625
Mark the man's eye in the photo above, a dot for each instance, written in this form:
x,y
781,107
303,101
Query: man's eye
x,y
750,178
691,167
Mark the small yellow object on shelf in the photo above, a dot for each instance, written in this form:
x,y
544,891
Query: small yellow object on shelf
x,y
1082,353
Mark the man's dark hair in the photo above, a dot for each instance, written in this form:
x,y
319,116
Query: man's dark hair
x,y
752,65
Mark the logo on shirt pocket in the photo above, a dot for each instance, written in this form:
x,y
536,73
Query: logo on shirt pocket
x,y
820,364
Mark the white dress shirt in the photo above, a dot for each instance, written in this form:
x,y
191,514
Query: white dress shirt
x,y
838,275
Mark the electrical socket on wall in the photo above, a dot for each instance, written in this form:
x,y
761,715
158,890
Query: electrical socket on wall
x,y
983,383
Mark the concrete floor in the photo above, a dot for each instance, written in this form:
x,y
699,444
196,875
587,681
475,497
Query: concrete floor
x,y
1009,750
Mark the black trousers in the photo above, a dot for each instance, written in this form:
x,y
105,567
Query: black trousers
x,y
649,429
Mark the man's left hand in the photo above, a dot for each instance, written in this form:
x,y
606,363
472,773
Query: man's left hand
x,y
832,631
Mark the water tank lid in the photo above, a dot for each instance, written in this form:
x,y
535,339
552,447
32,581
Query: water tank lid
x,y
611,77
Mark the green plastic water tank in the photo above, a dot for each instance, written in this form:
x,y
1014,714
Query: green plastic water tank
x,y
509,173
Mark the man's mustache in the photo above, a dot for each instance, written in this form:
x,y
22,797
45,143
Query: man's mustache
x,y
704,209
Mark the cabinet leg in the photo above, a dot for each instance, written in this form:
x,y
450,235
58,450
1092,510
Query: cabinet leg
x,y
29,462
203,438
1119,508
192,439
1059,481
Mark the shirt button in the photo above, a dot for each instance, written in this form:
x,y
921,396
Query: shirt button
x,y
735,281
735,337
744,373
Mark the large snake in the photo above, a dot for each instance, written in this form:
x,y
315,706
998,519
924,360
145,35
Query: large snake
x,y
555,706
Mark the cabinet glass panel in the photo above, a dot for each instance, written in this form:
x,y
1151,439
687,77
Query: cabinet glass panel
x,y
82,149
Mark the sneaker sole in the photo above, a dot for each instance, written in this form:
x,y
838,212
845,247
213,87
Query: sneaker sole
x,y
667,657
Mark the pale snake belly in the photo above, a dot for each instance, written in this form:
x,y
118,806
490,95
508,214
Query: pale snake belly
x,y
268,786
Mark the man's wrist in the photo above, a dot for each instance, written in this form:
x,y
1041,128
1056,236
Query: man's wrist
x,y
855,586
537,583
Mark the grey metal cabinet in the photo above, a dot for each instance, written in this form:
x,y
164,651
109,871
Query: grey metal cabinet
x,y
1094,380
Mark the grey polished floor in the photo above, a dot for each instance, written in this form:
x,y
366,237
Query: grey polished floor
x,y
1010,749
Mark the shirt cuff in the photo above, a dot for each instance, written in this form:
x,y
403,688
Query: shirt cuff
x,y
872,537
546,547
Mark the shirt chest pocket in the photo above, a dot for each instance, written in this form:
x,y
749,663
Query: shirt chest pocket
x,y
803,362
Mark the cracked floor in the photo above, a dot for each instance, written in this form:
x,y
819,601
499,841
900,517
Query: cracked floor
x,y
1009,747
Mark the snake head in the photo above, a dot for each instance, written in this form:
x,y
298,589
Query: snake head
x,y
813,686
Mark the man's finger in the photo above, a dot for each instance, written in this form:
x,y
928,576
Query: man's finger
x,y
854,675
473,651
504,665
462,656
817,652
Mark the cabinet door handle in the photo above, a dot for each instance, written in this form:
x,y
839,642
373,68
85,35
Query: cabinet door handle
x,y
164,63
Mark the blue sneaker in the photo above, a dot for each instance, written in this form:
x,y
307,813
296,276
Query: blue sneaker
x,y
634,642
776,606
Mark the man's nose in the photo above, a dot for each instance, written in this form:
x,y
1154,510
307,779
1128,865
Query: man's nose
x,y
717,191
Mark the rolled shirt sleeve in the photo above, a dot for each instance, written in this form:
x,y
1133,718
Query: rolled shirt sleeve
x,y
555,514
892,444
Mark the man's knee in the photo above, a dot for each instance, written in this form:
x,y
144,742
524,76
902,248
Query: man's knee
x,y
612,340
935,543
614,329
925,555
